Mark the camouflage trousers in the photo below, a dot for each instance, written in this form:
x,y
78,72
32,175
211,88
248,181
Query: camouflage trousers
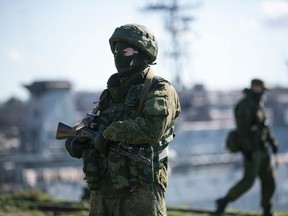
x,y
145,200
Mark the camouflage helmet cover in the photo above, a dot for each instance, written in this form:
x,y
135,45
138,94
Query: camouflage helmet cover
x,y
138,36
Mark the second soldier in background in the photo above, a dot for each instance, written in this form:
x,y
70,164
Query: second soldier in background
x,y
254,138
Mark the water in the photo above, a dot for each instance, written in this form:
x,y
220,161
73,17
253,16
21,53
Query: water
x,y
65,191
196,188
200,188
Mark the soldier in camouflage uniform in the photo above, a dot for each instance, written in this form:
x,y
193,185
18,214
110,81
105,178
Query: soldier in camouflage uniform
x,y
254,138
139,109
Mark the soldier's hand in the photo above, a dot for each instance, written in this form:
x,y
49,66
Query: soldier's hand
x,y
100,142
75,145
274,148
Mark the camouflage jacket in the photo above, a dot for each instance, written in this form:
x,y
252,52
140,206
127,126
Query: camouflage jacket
x,y
150,131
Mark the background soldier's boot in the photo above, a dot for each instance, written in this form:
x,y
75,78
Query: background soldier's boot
x,y
221,205
268,212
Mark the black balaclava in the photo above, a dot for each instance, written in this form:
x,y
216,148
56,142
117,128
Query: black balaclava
x,y
128,59
256,97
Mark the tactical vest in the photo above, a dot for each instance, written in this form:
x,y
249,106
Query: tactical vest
x,y
125,174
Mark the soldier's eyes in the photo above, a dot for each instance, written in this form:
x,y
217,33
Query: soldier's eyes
x,y
129,51
126,52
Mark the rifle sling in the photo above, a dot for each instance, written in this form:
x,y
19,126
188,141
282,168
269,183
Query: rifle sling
x,y
147,84
149,77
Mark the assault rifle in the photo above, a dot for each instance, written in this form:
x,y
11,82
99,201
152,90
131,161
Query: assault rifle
x,y
65,131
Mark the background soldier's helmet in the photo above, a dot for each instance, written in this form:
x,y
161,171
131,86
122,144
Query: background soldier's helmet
x,y
138,36
259,83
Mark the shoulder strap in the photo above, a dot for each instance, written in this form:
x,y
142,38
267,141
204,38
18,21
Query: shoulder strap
x,y
147,84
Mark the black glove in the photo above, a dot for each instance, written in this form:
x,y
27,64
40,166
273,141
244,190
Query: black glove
x,y
75,145
274,148
100,142
248,155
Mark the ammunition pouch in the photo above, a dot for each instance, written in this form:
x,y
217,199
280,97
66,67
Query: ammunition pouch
x,y
94,166
127,173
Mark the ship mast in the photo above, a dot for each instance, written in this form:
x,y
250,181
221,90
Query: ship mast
x,y
175,23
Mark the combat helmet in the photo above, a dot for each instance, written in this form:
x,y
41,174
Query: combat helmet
x,y
138,36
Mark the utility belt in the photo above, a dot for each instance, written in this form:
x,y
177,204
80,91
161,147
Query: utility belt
x,y
167,137
163,153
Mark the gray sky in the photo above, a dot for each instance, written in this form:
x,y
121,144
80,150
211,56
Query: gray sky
x,y
230,42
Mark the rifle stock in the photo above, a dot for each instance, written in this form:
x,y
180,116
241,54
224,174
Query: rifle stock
x,y
64,131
